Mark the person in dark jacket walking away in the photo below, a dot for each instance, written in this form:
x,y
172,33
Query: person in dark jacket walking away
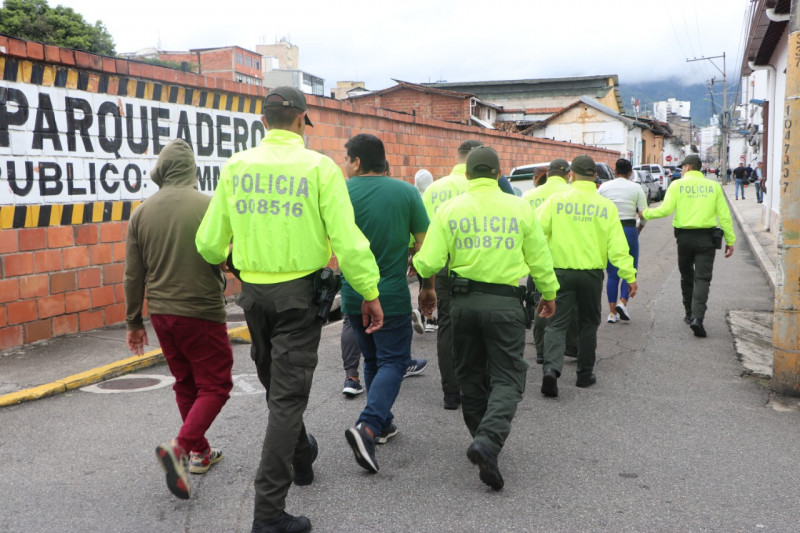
x,y
187,309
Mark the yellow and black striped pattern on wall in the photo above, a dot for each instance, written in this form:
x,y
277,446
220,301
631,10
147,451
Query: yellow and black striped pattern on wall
x,y
41,216
39,73
20,70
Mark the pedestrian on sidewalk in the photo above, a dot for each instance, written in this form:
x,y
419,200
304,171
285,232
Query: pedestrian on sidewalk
x,y
386,211
285,207
584,234
492,240
187,309
760,183
630,201
739,179
698,204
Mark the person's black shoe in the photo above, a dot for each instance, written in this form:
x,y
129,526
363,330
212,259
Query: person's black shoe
x,y
452,401
539,358
479,455
697,327
285,523
571,351
363,446
586,380
550,383
687,319
304,475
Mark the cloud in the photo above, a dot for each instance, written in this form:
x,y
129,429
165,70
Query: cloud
x,y
422,40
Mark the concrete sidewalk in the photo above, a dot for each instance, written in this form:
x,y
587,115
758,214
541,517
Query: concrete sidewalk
x,y
750,215
66,363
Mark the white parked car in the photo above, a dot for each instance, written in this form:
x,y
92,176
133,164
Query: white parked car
x,y
521,178
651,189
658,173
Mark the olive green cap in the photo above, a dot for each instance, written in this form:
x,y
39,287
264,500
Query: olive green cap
x,y
289,97
693,160
483,162
583,165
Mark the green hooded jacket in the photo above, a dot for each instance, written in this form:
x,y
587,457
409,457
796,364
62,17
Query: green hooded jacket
x,y
160,251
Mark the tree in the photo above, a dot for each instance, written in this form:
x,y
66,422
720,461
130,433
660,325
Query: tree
x,y
36,21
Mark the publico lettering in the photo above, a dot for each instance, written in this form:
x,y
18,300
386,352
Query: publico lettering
x,y
68,146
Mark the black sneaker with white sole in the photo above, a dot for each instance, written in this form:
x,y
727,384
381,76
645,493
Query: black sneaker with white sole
x,y
363,446
386,434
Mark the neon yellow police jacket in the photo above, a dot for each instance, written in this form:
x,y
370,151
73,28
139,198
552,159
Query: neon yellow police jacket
x,y
539,194
584,231
281,203
490,236
445,189
697,202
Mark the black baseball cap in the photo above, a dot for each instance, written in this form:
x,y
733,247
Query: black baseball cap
x,y
289,97
483,162
559,165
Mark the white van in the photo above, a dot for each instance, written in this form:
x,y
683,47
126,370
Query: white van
x,y
663,178
521,178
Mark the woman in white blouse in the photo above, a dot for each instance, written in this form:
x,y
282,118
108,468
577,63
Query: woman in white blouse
x,y
630,201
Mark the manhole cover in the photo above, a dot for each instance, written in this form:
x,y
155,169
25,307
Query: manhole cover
x,y
136,383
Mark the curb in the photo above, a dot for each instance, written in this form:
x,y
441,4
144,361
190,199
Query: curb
x,y
764,261
155,357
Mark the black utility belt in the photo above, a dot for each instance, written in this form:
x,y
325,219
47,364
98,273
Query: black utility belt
x,y
628,222
696,231
460,285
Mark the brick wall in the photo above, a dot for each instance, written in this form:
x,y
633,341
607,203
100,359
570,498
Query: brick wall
x,y
61,266
422,104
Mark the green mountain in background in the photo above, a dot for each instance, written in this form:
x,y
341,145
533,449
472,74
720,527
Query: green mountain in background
x,y
656,91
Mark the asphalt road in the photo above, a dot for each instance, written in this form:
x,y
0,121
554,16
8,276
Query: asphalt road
x,y
672,438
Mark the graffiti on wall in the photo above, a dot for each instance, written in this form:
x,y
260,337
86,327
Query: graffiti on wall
x,y
65,146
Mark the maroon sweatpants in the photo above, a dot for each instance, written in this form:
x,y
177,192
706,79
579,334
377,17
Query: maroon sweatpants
x,y
200,357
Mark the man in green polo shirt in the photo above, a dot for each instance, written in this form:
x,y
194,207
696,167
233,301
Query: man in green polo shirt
x,y
386,211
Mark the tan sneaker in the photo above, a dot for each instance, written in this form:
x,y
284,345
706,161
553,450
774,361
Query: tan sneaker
x,y
173,460
199,463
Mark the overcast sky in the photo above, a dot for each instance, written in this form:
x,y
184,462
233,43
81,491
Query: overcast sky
x,y
430,40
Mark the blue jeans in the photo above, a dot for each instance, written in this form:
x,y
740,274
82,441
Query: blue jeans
x,y
612,284
387,353
738,184
759,192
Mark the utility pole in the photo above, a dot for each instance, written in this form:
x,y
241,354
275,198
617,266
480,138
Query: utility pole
x,y
723,171
785,339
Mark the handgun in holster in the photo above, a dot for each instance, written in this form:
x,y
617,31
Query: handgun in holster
x,y
326,285
458,285
529,302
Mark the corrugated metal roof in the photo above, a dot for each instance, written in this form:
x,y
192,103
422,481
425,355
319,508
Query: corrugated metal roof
x,y
764,35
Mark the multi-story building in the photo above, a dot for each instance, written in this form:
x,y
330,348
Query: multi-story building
x,y
228,62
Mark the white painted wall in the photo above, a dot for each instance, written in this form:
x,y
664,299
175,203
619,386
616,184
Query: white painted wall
x,y
59,165
611,134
